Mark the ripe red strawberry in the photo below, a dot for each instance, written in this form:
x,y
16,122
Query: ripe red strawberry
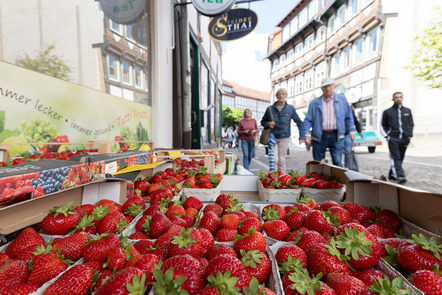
x,y
143,245
217,209
257,264
210,221
138,235
223,263
230,221
339,215
153,209
311,203
319,221
326,205
116,259
248,223
376,231
251,241
276,229
226,235
60,220
226,201
27,240
302,207
88,208
113,223
147,264
190,221
4,257
295,236
295,219
141,185
126,281
97,248
207,241
22,289
71,247
209,291
176,220
46,267
134,206
183,266
422,254
299,282
193,202
75,280
309,239
346,284
428,281
368,275
287,254
187,242
219,249
249,214
159,224
326,259
13,272
162,196
272,212
389,218
359,212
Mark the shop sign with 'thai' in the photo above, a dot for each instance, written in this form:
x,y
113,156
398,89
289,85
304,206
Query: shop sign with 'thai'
x,y
212,7
232,25
123,12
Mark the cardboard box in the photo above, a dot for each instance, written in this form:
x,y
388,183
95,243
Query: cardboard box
x,y
203,194
30,212
242,187
419,207
278,195
343,174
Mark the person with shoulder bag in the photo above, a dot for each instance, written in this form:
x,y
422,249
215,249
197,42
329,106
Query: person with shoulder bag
x,y
247,129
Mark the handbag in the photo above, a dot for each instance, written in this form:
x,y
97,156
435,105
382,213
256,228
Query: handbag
x,y
264,138
353,160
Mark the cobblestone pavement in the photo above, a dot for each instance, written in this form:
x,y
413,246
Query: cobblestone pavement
x,y
423,172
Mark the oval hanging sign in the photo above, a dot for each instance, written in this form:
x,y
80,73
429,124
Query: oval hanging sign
x,y
232,25
212,7
123,12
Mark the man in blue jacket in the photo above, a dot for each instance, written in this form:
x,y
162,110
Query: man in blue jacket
x,y
328,117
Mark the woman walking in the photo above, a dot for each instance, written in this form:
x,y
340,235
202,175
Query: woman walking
x,y
247,130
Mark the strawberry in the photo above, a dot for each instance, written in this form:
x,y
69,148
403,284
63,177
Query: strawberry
x,y
290,257
180,266
210,221
226,235
421,254
4,257
187,242
309,202
13,272
359,212
126,281
134,206
138,235
309,239
251,241
159,224
295,219
385,286
209,291
27,240
46,267
339,215
219,249
116,259
368,275
222,264
428,281
299,282
248,223
97,248
71,247
276,229
22,289
389,218
61,220
230,221
319,221
272,212
176,220
215,208
113,223
153,209
257,264
207,241
176,210
376,231
346,284
162,196
226,201
143,245
75,280
141,185
255,288
327,259
147,264
189,221
326,205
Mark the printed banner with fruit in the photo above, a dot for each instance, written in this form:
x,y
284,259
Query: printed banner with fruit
x,y
35,108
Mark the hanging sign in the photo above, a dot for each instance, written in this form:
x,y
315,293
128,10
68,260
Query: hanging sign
x,y
232,25
212,7
123,12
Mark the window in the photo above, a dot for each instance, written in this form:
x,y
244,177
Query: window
x,y
353,7
129,32
331,25
127,70
313,8
294,25
358,51
113,65
320,35
282,60
373,43
299,80
285,33
146,80
319,74
137,77
299,50
116,27
303,17
309,42
346,61
291,87
308,80
275,64
341,16
336,63
290,55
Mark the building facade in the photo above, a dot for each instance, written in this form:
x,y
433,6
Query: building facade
x,y
364,46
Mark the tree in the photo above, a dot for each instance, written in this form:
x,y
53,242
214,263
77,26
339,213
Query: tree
x,y
426,63
231,117
46,63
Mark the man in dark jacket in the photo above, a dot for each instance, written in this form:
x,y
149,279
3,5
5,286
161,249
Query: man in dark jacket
x,y
397,128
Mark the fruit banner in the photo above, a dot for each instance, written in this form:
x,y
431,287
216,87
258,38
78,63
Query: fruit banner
x,y
35,108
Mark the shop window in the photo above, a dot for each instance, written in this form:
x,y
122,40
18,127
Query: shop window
x,y
113,68
127,73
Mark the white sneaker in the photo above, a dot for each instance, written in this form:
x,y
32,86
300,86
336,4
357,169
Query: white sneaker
x,y
266,156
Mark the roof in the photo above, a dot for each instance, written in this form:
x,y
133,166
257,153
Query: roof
x,y
247,92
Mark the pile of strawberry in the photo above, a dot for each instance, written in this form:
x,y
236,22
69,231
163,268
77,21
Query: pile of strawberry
x,y
163,183
192,163
295,180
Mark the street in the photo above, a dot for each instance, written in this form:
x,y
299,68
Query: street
x,y
422,171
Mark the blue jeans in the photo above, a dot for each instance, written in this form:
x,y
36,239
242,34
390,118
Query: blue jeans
x,y
335,146
247,150
347,149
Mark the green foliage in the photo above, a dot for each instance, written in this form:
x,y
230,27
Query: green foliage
x,y
142,133
231,117
426,63
46,63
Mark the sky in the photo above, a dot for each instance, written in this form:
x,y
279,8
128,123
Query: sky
x,y
244,59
